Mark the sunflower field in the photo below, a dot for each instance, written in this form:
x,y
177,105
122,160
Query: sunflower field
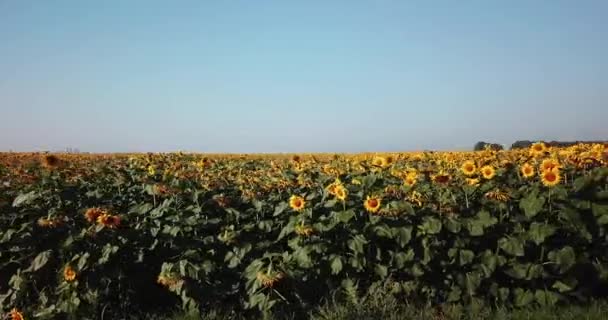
x,y
88,236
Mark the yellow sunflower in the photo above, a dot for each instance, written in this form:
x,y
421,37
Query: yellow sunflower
x,y
472,181
297,203
527,170
468,168
69,274
410,180
538,149
372,204
550,178
488,172
379,161
549,164
341,193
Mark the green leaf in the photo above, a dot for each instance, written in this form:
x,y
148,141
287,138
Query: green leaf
x,y
344,216
482,220
512,246
532,204
539,232
381,270
452,225
403,235
466,257
280,208
383,231
546,298
357,243
599,210
401,258
564,258
26,198
430,225
330,203
562,287
41,259
336,264
523,297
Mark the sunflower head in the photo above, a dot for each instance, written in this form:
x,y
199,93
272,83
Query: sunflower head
x,y
527,170
538,149
410,180
550,178
297,203
442,178
14,314
93,213
51,161
488,172
304,231
69,274
108,220
341,193
549,164
380,161
468,168
472,181
372,204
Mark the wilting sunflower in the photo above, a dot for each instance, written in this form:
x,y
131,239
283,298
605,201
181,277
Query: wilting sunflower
x,y
341,193
50,222
550,178
269,280
415,198
170,282
15,315
297,203
527,170
442,177
538,149
497,195
468,168
51,161
549,164
108,220
372,204
69,274
304,231
93,213
488,172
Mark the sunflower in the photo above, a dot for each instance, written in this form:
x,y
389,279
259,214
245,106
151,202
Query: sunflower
x,y
538,149
410,180
51,161
297,203
109,220
341,193
442,177
468,168
50,222
527,170
472,181
170,282
269,280
549,164
93,213
488,172
415,198
379,161
304,231
372,204
498,195
15,315
151,170
550,178
69,274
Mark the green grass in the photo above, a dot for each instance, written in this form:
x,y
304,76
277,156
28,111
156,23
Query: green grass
x,y
390,309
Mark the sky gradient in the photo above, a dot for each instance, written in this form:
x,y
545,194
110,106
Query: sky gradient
x,y
305,76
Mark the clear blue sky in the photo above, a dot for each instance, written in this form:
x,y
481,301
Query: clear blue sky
x,y
299,76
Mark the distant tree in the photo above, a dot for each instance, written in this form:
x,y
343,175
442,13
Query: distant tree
x,y
481,145
521,144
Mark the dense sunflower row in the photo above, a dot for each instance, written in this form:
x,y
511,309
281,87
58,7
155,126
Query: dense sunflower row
x,y
84,234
